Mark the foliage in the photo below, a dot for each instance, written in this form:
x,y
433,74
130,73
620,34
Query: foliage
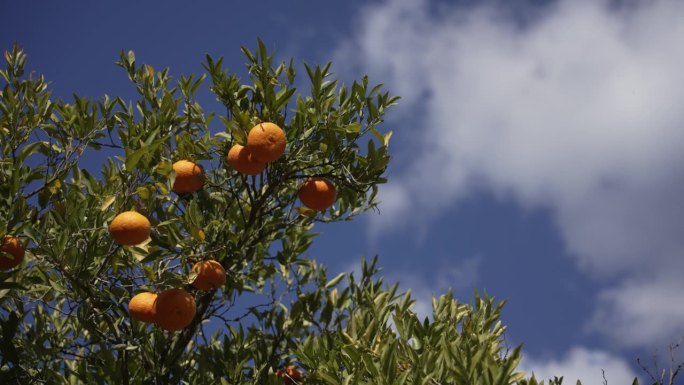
x,y
68,168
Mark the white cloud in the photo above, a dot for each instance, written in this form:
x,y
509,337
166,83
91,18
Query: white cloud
x,y
637,312
581,364
578,111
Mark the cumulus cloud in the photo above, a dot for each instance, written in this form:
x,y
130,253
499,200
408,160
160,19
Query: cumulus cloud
x,y
640,313
577,110
580,363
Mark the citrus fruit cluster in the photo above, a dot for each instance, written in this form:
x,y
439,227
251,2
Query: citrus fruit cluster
x,y
265,143
174,309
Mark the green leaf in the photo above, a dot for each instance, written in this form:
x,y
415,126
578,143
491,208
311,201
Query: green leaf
x,y
56,285
28,150
335,281
143,192
164,168
388,360
305,211
327,378
198,234
414,343
353,128
194,214
376,133
262,49
140,252
133,159
283,97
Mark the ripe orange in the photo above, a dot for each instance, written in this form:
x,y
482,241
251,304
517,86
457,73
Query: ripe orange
x,y
142,307
130,228
175,309
241,159
210,275
290,375
266,141
189,177
317,194
13,247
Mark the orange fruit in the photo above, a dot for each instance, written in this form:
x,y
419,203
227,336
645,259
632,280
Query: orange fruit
x,y
290,375
12,246
241,159
210,275
189,177
142,307
317,194
266,141
175,309
130,228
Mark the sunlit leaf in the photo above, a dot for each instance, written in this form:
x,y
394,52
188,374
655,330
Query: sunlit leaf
x,y
107,202
198,234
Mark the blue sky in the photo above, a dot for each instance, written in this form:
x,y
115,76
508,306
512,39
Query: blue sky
x,y
537,148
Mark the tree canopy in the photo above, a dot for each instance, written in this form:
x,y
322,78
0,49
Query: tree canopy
x,y
67,169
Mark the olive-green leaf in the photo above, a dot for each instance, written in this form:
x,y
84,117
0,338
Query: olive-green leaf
x,y
335,280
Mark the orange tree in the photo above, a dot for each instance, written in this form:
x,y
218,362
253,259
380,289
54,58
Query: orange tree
x,y
201,278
